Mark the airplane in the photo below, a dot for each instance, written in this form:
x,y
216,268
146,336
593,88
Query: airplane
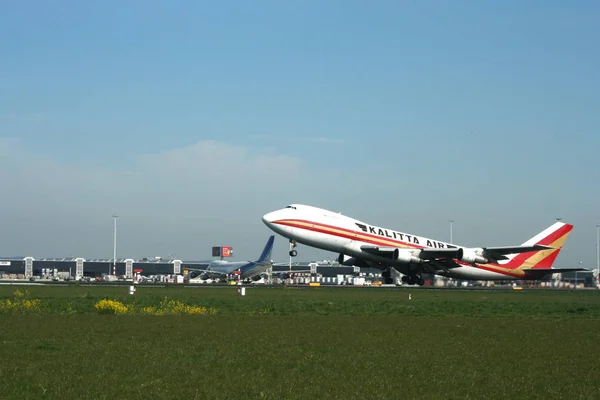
x,y
248,269
368,246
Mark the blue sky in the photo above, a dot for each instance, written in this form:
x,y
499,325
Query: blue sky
x,y
192,119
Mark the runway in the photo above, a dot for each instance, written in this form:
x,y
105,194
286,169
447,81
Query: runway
x,y
292,286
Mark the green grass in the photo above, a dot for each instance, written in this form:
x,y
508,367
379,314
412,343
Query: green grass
x,y
278,343
329,301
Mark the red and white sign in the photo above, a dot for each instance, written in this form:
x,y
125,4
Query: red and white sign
x,y
226,251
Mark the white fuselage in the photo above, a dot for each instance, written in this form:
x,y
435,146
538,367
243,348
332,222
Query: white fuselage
x,y
338,233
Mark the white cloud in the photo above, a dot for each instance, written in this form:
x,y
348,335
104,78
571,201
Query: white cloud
x,y
182,201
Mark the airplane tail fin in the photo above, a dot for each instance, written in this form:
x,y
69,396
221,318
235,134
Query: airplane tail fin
x,y
265,256
553,237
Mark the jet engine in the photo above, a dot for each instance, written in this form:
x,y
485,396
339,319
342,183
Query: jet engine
x,y
348,261
405,256
472,256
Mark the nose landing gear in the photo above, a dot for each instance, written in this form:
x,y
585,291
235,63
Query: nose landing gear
x,y
293,252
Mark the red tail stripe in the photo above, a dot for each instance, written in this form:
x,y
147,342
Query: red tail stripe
x,y
521,258
518,260
557,234
547,262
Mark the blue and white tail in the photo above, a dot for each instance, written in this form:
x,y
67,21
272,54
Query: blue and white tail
x,y
265,256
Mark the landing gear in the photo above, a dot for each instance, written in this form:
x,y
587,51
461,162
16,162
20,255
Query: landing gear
x,y
413,280
293,252
389,276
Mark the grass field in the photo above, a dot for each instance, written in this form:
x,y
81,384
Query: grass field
x,y
288,343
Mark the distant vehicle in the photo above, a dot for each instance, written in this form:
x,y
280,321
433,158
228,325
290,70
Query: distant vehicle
x,y
364,245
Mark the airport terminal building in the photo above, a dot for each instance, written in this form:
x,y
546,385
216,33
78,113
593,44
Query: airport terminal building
x,y
78,266
26,267
74,267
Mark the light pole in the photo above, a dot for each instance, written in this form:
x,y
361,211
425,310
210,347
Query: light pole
x,y
114,246
576,272
451,222
598,249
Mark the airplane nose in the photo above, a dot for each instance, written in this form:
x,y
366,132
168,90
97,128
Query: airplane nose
x,y
267,218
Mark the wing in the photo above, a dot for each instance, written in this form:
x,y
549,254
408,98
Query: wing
x,y
435,266
425,254
198,269
499,253
429,254
207,272
492,253
379,251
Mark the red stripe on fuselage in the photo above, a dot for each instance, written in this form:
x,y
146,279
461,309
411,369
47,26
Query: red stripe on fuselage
x,y
498,270
359,235
377,240
348,233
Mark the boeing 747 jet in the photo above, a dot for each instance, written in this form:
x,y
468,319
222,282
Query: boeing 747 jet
x,y
361,244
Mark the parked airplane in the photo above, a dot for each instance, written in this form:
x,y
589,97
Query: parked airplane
x,y
364,245
248,269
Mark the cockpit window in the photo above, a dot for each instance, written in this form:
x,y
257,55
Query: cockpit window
x,y
291,207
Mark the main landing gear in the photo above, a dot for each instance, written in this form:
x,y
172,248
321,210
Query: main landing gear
x,y
293,252
387,276
391,275
413,280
